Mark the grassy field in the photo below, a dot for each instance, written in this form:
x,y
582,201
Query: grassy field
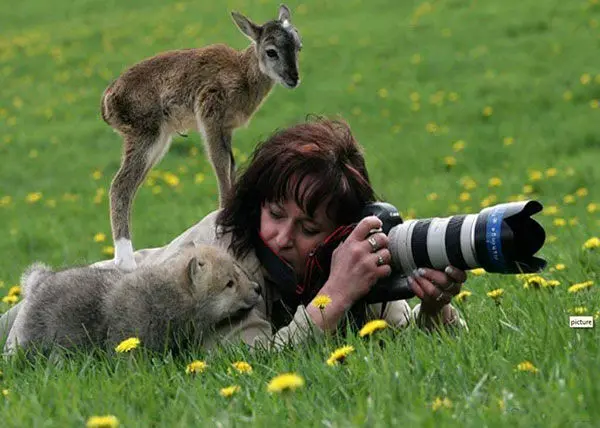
x,y
459,105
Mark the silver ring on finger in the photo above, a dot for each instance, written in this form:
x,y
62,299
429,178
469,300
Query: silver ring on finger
x,y
380,261
373,242
442,296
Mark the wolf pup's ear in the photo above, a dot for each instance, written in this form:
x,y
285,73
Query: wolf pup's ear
x,y
284,14
194,267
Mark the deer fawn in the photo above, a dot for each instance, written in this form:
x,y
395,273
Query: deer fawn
x,y
213,89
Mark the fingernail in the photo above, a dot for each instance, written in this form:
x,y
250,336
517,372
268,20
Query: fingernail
x,y
416,272
410,280
421,271
449,270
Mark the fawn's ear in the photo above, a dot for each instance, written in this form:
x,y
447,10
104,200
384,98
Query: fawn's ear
x,y
246,26
284,14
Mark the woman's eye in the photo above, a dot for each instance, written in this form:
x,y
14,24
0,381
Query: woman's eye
x,y
275,214
310,231
272,53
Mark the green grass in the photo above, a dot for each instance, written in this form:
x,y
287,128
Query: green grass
x,y
534,62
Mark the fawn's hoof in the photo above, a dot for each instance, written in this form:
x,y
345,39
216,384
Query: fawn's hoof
x,y
125,264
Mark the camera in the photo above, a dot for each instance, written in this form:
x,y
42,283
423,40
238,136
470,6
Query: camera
x,y
500,239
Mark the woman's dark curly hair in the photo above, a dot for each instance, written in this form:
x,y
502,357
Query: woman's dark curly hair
x,y
322,149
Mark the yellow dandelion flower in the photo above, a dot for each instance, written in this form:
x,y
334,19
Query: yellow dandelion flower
x,y
594,104
196,367
99,237
108,421
591,207
578,310
383,93
567,95
468,183
551,239
575,288
496,294
97,174
528,189
581,192
551,172
487,111
573,221
597,315
478,271
569,199
508,141
15,290
495,182
285,382
242,367
199,178
5,392
535,175
535,281
463,295
128,345
551,210
432,197
585,78
108,250
339,355
551,283
560,266
453,96
156,190
229,391
458,145
527,366
33,197
592,243
171,179
559,222
464,197
11,300
486,202
371,327
440,403
321,301
5,201
450,161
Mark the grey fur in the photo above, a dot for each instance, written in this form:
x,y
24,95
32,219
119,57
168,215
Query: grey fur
x,y
214,89
165,305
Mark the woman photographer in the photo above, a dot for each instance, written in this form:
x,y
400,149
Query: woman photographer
x,y
302,186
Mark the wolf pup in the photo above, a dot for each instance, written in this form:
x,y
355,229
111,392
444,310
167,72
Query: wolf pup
x,y
175,303
213,89
83,307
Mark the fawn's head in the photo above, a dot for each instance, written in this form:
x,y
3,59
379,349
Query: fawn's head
x,y
277,46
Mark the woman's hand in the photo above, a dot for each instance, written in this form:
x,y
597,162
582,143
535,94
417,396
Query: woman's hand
x,y
358,262
436,288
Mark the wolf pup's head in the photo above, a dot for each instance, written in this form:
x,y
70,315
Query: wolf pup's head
x,y
222,283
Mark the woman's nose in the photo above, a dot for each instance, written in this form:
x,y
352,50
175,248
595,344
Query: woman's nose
x,y
284,237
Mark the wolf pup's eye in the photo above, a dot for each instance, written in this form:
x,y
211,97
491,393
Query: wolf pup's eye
x,y
272,53
230,283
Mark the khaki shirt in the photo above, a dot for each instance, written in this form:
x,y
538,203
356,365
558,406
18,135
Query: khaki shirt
x,y
256,329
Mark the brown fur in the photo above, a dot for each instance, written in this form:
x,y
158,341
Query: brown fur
x,y
214,89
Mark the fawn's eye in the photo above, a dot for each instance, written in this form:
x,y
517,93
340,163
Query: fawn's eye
x,y
272,53
230,284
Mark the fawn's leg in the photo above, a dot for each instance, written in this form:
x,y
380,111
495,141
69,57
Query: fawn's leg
x,y
218,147
140,154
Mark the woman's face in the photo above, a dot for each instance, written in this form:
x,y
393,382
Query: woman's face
x,y
291,233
